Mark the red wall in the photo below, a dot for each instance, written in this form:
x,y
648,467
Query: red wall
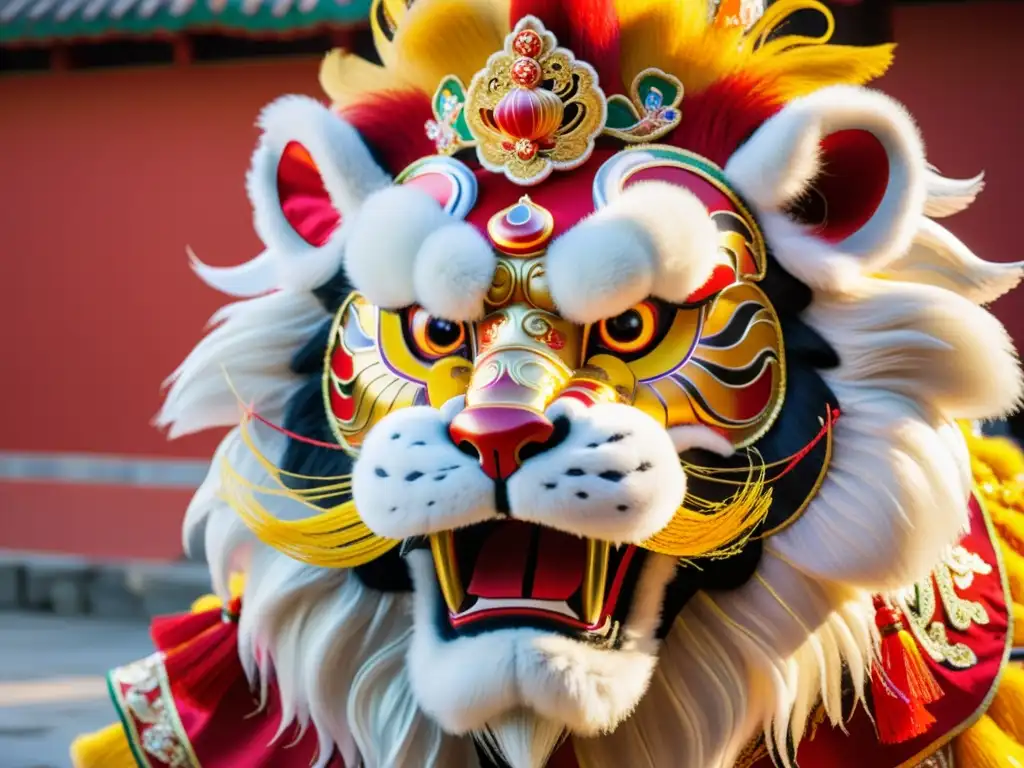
x,y
958,71
105,177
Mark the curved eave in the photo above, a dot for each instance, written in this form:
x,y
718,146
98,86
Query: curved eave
x,y
47,22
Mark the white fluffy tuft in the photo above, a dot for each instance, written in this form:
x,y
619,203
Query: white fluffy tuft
x,y
654,239
252,342
453,272
384,240
619,271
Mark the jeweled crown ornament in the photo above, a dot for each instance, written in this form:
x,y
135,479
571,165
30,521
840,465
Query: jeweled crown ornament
x,y
534,108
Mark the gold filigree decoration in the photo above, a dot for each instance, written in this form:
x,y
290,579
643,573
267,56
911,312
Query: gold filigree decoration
x,y
151,721
957,571
534,108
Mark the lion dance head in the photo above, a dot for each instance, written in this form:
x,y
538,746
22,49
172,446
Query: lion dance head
x,y
602,363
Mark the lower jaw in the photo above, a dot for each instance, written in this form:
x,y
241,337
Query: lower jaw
x,y
595,614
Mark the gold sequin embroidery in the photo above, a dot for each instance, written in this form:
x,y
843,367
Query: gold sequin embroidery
x,y
149,713
957,571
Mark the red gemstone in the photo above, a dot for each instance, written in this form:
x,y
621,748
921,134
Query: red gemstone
x,y
528,43
525,72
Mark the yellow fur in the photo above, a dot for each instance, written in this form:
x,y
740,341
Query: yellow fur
x,y
106,748
998,738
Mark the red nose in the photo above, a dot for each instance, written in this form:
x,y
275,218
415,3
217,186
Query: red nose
x,y
498,434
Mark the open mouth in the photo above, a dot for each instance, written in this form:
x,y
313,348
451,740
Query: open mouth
x,y
514,574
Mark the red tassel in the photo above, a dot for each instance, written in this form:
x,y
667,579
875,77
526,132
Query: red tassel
x,y
201,667
168,632
901,683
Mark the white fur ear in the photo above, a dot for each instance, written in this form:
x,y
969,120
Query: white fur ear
x,y
384,240
309,174
454,270
654,239
863,166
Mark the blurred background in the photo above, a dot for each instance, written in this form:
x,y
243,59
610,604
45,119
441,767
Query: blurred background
x,y
126,128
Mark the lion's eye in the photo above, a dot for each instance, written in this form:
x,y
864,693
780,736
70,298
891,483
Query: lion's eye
x,y
632,331
435,337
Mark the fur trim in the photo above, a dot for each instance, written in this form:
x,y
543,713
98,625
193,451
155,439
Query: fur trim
x,y
347,170
520,739
253,278
453,272
794,134
939,258
948,196
913,357
384,240
655,238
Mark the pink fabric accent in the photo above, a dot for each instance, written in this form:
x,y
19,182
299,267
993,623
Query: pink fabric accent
x,y
438,185
304,200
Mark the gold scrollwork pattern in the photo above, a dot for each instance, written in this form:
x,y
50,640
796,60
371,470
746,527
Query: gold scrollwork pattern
x,y
143,697
920,604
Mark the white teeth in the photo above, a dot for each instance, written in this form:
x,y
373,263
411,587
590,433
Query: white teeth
x,y
550,606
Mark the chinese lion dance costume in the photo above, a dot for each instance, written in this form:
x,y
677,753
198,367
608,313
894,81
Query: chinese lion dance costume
x,y
604,398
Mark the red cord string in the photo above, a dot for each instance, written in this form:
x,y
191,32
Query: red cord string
x,y
831,417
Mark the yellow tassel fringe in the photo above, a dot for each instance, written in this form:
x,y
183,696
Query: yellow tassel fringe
x,y
335,537
715,530
108,748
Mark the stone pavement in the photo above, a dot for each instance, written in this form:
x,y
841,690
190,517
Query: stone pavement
x,y
51,681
